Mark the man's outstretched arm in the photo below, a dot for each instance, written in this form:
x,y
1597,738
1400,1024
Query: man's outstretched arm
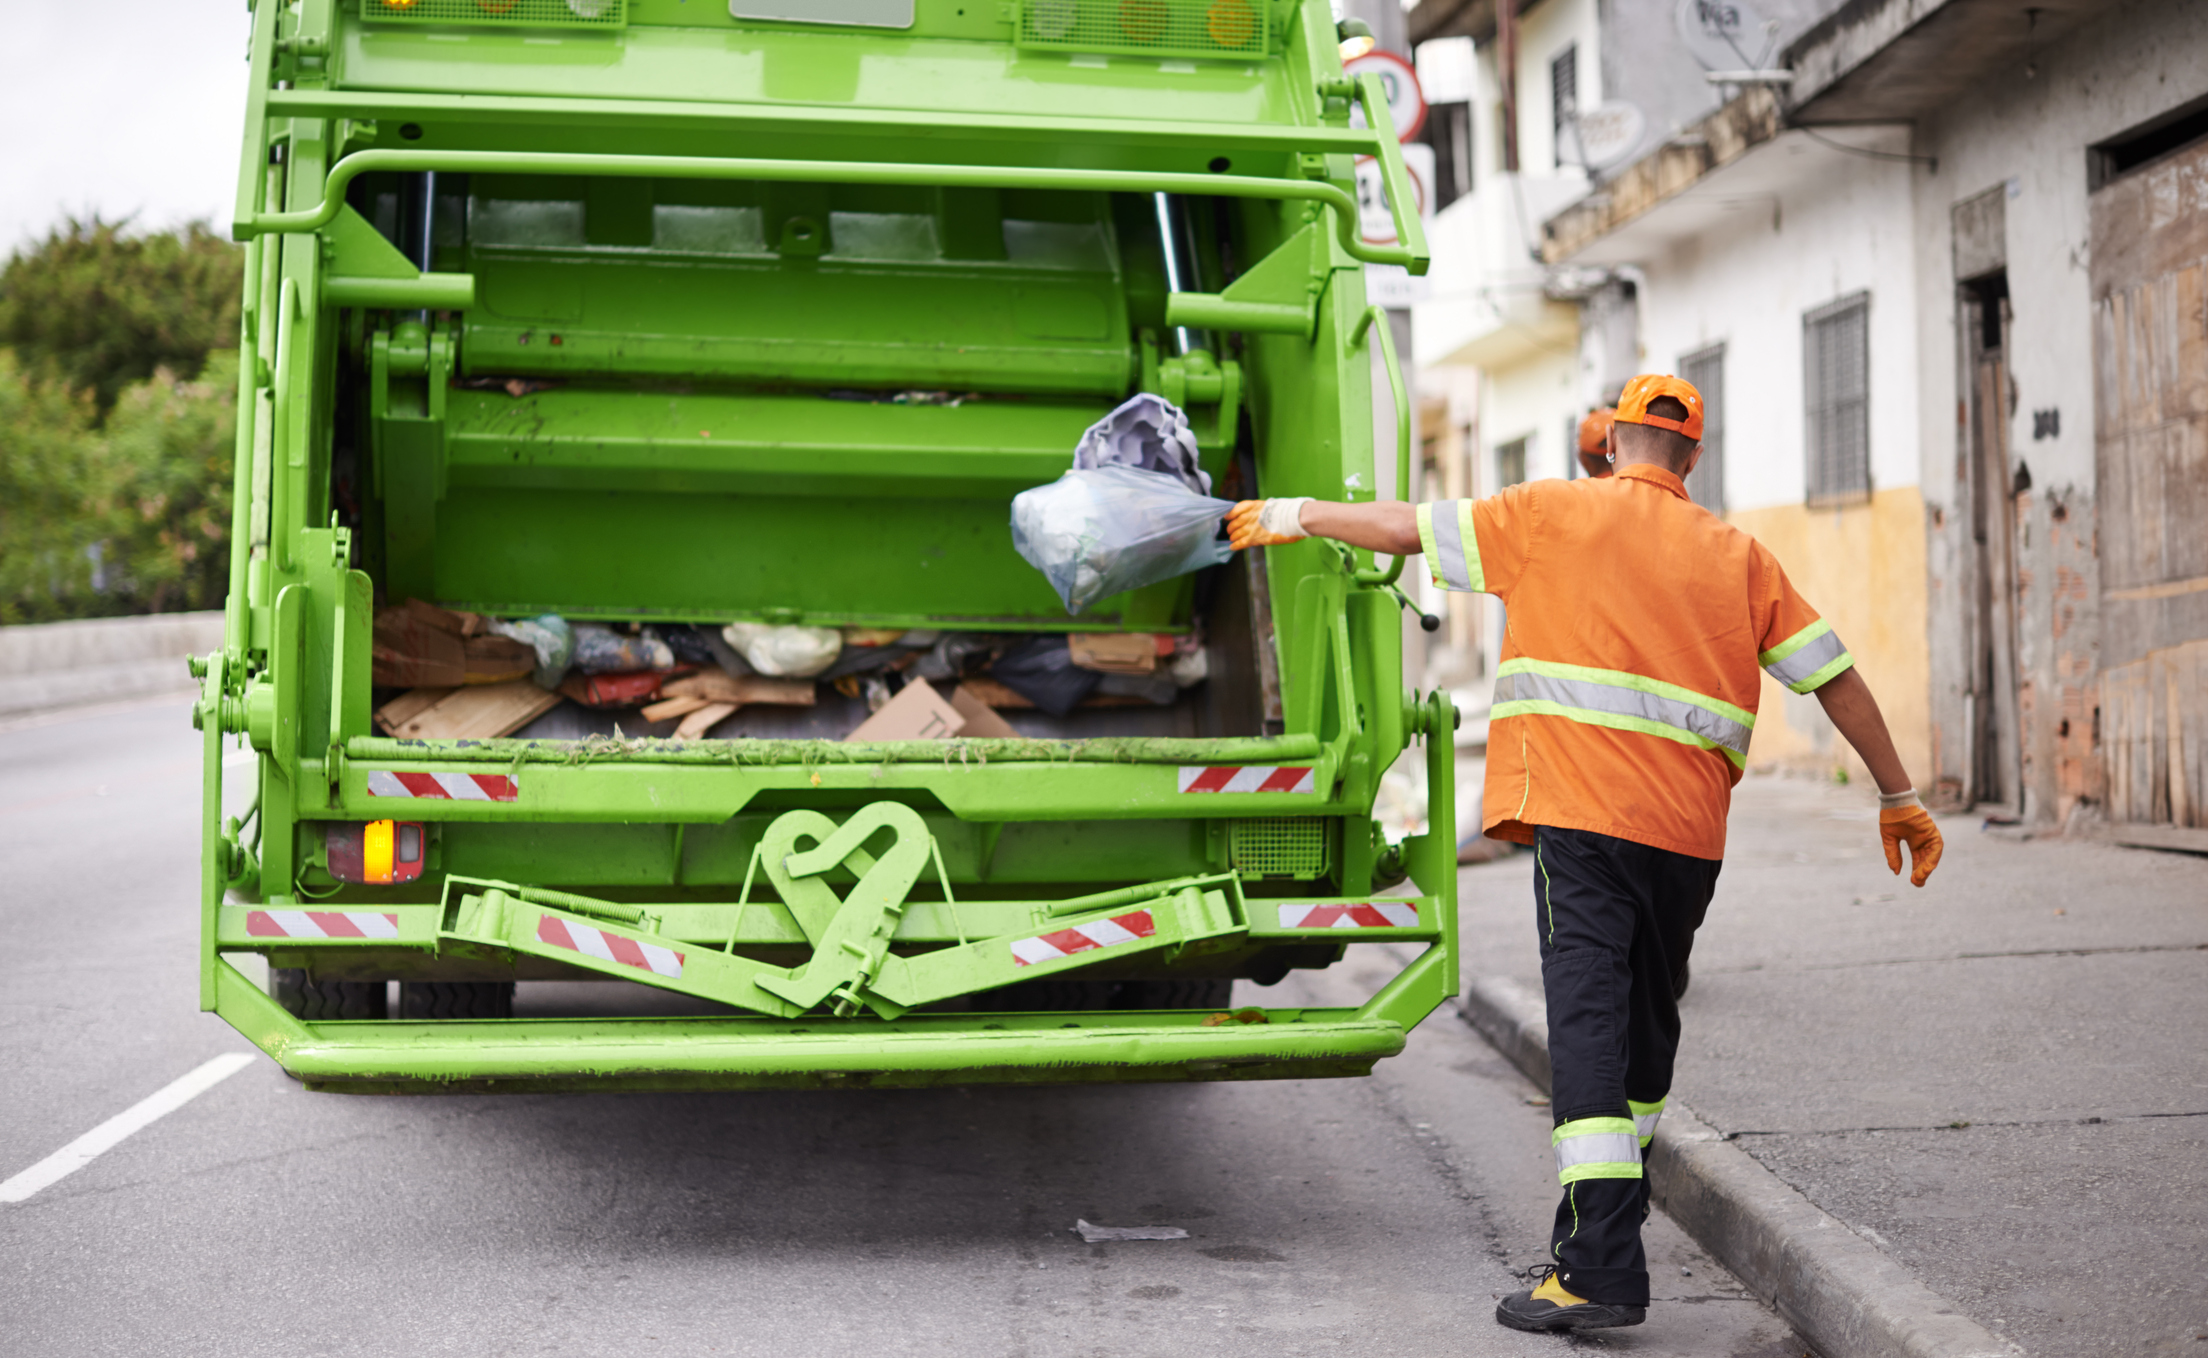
x,y
1388,526
1902,819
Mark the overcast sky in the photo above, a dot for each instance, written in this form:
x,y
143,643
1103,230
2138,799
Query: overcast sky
x,y
121,108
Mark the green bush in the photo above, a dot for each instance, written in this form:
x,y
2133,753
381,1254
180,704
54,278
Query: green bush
x,y
132,517
118,378
99,308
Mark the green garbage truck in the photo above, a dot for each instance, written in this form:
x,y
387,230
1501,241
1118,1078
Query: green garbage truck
x,y
675,314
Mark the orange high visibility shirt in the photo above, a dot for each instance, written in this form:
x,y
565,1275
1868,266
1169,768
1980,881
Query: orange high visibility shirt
x,y
1636,622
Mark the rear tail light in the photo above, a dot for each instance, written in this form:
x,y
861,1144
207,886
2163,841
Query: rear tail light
x,y
379,852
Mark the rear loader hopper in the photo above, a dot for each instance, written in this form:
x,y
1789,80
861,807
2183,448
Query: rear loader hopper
x,y
658,313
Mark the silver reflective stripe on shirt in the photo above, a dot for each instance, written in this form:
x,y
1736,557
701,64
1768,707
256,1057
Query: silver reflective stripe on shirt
x,y
1804,661
1452,549
1518,685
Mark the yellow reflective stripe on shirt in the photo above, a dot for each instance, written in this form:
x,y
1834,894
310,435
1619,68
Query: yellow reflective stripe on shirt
x,y
1805,661
1622,701
1452,548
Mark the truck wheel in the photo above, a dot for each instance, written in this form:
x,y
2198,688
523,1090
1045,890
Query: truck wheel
x,y
1203,992
318,1000
456,999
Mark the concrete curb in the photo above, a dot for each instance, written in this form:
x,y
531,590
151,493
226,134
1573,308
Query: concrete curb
x,y
1839,1291
50,666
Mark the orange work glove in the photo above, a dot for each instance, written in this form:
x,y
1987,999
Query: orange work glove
x,y
1266,523
1911,825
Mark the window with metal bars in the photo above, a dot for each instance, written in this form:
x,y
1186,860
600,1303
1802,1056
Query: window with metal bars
x,y
1705,368
1449,132
1564,104
1836,385
1510,463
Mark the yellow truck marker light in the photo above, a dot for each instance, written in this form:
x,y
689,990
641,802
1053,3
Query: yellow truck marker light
x,y
379,852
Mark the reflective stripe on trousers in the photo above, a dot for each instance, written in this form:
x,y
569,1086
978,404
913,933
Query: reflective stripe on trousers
x,y
1622,701
1645,1116
1597,1148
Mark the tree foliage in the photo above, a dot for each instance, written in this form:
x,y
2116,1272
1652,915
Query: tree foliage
x,y
129,517
118,387
98,307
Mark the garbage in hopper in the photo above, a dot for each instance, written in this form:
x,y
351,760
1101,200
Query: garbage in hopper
x,y
1135,509
788,651
1100,532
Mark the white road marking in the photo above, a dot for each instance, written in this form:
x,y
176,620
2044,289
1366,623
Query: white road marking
x,y
109,1134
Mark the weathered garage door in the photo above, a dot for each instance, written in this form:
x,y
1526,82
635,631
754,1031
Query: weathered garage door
x,y
2150,293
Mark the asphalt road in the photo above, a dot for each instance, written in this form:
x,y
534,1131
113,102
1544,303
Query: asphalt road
x,y
1377,1216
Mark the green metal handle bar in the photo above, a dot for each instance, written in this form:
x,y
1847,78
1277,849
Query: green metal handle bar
x,y
1375,321
279,448
825,172
1402,199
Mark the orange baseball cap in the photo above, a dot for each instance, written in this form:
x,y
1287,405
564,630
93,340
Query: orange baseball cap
x,y
1594,431
1633,404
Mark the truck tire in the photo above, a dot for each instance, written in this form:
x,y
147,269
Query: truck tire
x,y
456,999
315,1001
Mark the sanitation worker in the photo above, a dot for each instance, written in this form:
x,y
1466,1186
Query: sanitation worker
x,y
1595,457
1623,705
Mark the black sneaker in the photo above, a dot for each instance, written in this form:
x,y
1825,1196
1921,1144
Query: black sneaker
x,y
1525,1311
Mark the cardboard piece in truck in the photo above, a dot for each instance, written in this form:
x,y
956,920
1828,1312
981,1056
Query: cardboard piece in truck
x,y
482,712
981,721
1114,652
493,659
409,651
407,706
918,712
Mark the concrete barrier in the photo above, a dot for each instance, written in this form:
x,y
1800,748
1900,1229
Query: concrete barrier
x,y
62,664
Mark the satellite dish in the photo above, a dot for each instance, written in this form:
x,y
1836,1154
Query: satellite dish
x,y
1610,133
1726,35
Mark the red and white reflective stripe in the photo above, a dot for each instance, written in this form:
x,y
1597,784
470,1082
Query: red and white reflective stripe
x,y
1245,778
629,952
444,787
321,924
1103,933
1349,915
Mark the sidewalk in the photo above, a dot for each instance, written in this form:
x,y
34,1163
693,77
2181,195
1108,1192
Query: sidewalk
x,y
2001,1080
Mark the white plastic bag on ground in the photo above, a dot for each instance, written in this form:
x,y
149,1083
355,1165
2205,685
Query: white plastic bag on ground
x,y
1096,532
785,651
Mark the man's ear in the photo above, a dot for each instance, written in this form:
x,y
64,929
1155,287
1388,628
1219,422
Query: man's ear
x,y
1694,455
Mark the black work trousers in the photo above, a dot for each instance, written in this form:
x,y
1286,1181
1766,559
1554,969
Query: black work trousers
x,y
1616,921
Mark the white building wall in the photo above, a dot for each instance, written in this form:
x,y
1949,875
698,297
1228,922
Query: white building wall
x,y
1844,226
2029,136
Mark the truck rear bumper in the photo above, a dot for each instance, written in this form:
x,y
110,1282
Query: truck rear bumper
x,y
642,1054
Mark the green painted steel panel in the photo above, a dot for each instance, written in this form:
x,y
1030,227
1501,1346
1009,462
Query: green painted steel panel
x,y
722,319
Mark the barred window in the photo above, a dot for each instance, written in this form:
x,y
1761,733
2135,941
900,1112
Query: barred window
x,y
1510,463
1836,383
1705,368
1564,103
